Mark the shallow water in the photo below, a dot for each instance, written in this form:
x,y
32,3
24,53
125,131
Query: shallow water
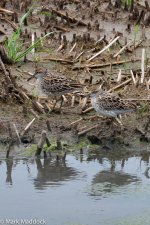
x,y
77,192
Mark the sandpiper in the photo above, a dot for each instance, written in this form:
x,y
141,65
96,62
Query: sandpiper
x,y
110,105
54,84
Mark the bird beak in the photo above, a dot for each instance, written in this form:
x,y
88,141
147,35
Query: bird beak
x,y
30,78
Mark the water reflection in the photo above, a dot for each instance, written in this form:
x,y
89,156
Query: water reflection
x,y
106,187
9,166
55,173
109,181
52,173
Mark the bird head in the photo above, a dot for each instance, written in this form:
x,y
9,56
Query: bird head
x,y
39,73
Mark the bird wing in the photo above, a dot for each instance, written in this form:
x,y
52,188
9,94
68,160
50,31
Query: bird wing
x,y
111,101
57,82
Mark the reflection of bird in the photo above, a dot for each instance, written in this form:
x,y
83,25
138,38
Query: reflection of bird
x,y
110,105
54,84
107,182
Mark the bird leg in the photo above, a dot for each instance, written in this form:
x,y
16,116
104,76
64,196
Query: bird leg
x,y
57,100
119,120
54,105
62,100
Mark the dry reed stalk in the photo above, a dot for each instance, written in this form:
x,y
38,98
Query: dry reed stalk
x,y
26,129
143,65
17,133
120,85
87,130
76,121
104,49
119,76
73,47
133,78
122,49
87,110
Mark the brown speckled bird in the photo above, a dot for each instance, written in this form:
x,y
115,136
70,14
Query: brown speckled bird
x,y
54,84
110,105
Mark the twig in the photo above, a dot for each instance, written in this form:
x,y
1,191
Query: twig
x,y
33,41
62,28
120,85
76,121
122,49
60,47
58,60
26,129
87,130
38,106
2,10
104,49
73,101
34,113
9,148
41,143
4,70
142,65
78,56
133,78
92,66
119,76
17,133
48,125
87,110
73,47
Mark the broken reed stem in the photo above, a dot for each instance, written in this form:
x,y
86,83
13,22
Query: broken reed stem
x,y
122,49
48,125
76,121
119,76
87,130
2,10
41,143
17,133
9,148
7,78
73,47
87,110
33,41
120,85
10,140
26,129
104,49
92,66
78,56
133,78
142,65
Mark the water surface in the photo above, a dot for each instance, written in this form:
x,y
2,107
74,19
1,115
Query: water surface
x,y
76,192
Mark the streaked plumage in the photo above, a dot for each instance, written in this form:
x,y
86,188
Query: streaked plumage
x,y
55,84
110,105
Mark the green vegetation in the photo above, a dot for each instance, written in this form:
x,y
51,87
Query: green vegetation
x,y
128,2
143,108
14,45
136,30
